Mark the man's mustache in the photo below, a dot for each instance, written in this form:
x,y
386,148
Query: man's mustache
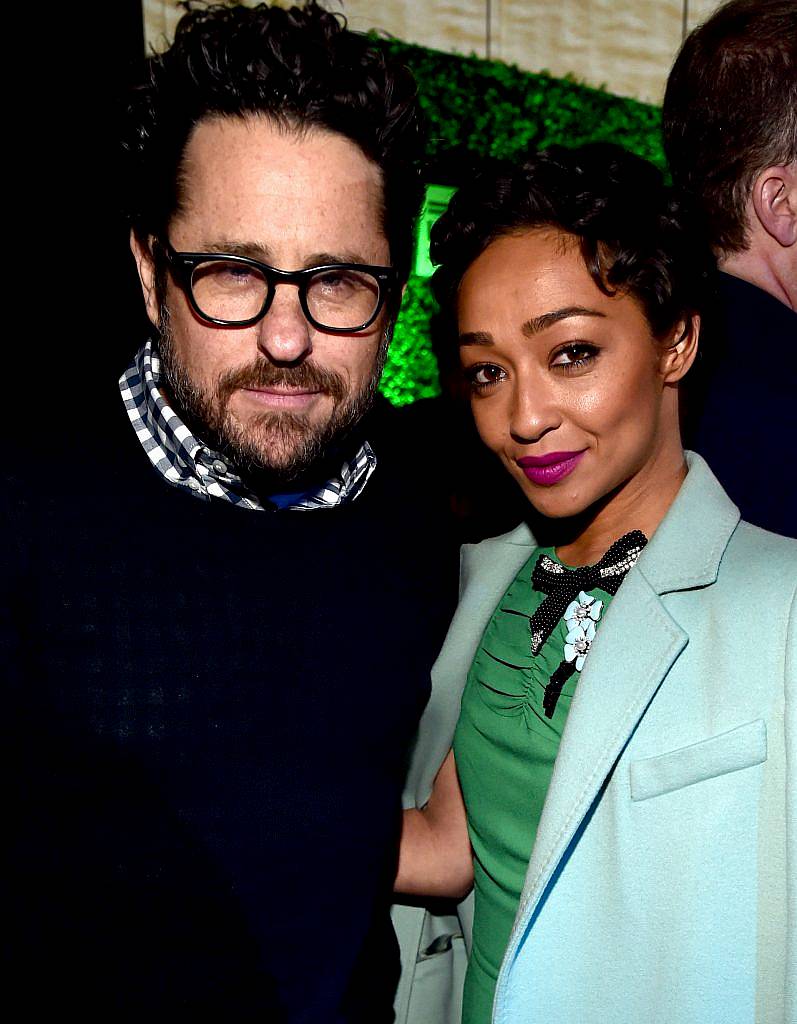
x,y
263,374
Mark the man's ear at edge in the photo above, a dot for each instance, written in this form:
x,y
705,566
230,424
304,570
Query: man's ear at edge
x,y
774,199
145,264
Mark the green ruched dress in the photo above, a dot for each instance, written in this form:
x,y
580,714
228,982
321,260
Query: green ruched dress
x,y
505,746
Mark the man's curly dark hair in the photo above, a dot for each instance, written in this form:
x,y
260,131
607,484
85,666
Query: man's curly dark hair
x,y
300,67
636,236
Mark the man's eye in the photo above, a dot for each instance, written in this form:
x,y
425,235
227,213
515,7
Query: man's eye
x,y
239,273
575,356
220,274
344,286
482,375
331,280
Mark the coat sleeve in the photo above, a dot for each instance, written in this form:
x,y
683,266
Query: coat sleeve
x,y
434,944
433,953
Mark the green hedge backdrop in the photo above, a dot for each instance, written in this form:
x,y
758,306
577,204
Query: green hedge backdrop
x,y
476,110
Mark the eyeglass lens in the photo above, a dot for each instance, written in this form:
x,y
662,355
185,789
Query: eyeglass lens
x,y
337,298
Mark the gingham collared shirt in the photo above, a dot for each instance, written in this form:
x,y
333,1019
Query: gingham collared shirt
x,y
183,460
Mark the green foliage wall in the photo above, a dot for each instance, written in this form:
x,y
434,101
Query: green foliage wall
x,y
477,110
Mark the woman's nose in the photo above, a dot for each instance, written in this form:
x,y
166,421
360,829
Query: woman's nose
x,y
533,414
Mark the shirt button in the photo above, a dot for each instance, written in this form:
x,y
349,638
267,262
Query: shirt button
x,y
219,467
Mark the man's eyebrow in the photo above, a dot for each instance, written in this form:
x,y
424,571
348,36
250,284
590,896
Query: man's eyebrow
x,y
254,250
539,323
262,253
320,259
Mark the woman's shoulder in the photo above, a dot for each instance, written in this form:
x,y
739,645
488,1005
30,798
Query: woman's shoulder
x,y
757,560
750,541
496,557
519,536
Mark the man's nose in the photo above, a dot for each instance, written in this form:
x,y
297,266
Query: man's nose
x,y
284,333
534,412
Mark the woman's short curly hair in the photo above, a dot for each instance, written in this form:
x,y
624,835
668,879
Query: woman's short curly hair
x,y
301,68
636,236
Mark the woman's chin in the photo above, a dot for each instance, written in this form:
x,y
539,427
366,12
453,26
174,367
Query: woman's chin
x,y
554,502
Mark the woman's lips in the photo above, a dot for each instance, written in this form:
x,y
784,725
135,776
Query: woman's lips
x,y
551,468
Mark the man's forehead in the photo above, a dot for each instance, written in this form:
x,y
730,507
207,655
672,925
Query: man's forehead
x,y
292,194
277,158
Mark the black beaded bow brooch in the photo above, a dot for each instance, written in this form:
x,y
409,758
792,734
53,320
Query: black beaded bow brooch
x,y
567,598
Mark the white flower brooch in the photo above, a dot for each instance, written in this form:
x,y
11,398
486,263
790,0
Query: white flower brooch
x,y
580,617
582,610
578,642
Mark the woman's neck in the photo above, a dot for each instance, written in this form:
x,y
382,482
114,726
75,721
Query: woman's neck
x,y
640,504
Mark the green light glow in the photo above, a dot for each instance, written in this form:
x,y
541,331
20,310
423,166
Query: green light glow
x,y
411,368
435,201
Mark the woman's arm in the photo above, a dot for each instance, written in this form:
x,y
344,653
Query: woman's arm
x,y
435,855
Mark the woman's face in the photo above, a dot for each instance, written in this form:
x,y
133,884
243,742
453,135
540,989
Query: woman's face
x,y
568,385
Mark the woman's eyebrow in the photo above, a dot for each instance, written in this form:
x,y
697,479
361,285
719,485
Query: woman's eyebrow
x,y
539,323
533,326
476,338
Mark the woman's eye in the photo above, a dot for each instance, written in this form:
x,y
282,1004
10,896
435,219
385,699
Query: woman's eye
x,y
575,356
482,375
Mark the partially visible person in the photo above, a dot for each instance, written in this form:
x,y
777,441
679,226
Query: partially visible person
x,y
627,739
222,597
730,133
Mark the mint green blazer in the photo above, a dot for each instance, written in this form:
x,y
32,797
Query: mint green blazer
x,y
662,887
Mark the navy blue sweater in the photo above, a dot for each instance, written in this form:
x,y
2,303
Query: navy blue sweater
x,y
743,413
209,715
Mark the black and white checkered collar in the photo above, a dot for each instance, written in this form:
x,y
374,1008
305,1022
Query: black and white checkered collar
x,y
183,460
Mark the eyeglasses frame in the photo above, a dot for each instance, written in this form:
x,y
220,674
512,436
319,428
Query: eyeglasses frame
x,y
183,265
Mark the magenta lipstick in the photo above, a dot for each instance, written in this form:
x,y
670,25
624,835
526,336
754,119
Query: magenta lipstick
x,y
551,468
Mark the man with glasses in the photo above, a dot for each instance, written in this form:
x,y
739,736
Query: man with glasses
x,y
223,609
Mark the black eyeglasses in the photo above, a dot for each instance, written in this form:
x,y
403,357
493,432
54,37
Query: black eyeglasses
x,y
236,291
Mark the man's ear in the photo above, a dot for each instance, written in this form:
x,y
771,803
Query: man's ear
x,y
145,264
775,202
680,351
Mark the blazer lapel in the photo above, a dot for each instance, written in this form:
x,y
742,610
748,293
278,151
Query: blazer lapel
x,y
636,646
619,680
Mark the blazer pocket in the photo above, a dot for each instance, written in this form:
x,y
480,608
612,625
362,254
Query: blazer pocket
x,y
729,752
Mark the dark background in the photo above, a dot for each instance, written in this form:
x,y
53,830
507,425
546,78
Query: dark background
x,y
72,313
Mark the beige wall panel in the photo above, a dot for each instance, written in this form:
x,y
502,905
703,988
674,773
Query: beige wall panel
x,y
453,25
459,26
697,11
160,17
626,45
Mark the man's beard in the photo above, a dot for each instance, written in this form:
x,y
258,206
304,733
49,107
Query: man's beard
x,y
271,448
